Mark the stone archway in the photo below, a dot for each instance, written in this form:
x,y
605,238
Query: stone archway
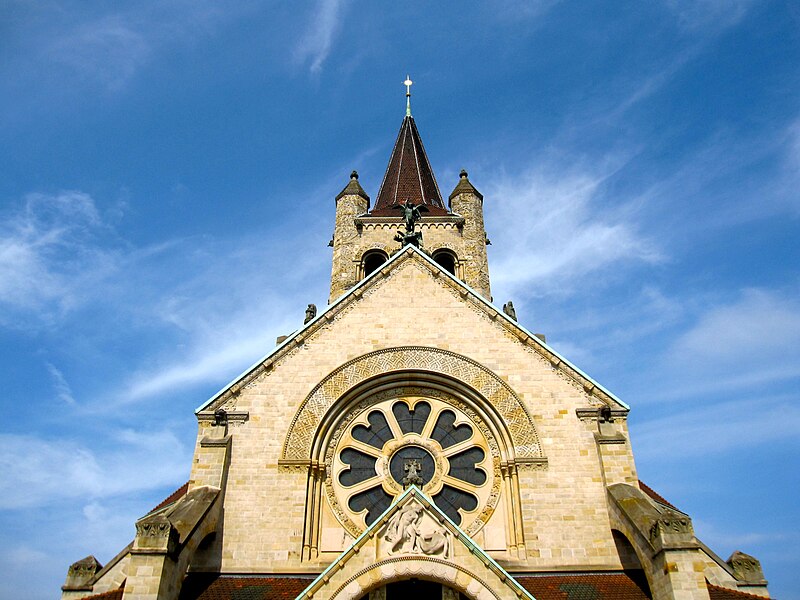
x,y
495,393
419,589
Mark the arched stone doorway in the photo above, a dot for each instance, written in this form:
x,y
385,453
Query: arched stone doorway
x,y
418,589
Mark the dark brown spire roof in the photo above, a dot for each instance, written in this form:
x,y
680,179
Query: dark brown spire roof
x,y
409,176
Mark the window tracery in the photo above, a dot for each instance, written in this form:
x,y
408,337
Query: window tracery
x,y
448,450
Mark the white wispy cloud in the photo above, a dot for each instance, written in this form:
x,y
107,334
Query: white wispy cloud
x,y
718,428
49,251
109,50
315,45
62,388
38,472
760,329
732,348
105,47
717,14
556,230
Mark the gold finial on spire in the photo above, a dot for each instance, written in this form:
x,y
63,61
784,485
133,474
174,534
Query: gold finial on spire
x,y
408,83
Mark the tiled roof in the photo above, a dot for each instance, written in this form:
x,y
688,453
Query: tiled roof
x,y
718,593
112,595
588,586
655,495
173,497
213,587
630,585
409,176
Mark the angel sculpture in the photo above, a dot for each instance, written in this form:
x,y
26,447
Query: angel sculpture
x,y
411,214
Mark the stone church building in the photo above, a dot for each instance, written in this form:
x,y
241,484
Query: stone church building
x,y
413,440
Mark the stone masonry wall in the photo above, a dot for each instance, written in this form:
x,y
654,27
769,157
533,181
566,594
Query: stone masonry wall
x,y
564,504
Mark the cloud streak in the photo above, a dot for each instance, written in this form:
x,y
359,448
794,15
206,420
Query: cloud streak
x,y
317,42
49,251
40,472
718,428
556,232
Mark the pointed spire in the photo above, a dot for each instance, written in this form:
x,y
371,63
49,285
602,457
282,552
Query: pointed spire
x,y
353,188
464,186
409,175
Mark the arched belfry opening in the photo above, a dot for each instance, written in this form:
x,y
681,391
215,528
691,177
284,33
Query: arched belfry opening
x,y
447,259
372,261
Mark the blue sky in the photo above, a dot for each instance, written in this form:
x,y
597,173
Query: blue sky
x,y
167,176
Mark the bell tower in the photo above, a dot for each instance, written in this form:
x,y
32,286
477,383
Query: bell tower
x,y
454,236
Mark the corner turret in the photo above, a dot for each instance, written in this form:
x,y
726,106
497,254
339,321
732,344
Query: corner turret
x,y
467,202
351,202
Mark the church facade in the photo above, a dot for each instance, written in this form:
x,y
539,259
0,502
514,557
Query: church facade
x,y
413,439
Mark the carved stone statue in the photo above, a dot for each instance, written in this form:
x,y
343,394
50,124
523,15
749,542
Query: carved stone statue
x,y
404,535
413,471
508,308
403,530
311,312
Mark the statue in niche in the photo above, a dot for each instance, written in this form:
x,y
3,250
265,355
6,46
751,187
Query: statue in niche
x,y
404,534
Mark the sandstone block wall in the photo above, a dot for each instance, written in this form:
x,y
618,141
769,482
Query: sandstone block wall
x,y
566,523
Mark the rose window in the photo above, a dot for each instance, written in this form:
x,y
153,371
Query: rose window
x,y
428,440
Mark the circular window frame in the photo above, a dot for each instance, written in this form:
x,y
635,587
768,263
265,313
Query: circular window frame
x,y
487,494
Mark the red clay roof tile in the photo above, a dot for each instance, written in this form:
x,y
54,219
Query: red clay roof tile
x,y
718,593
173,497
655,495
112,595
212,587
594,586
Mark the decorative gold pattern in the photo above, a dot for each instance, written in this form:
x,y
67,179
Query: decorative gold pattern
x,y
306,421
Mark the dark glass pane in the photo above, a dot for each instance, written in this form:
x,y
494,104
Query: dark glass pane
x,y
375,500
462,466
411,421
450,499
446,434
378,432
362,466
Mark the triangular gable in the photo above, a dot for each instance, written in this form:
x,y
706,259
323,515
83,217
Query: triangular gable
x,y
590,386
414,538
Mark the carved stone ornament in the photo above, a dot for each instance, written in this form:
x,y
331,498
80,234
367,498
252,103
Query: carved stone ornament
x,y
497,393
746,568
155,534
671,523
407,532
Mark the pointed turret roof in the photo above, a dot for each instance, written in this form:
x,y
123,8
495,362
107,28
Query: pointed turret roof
x,y
409,176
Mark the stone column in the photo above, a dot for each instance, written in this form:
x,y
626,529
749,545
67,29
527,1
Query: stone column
x,y
152,565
